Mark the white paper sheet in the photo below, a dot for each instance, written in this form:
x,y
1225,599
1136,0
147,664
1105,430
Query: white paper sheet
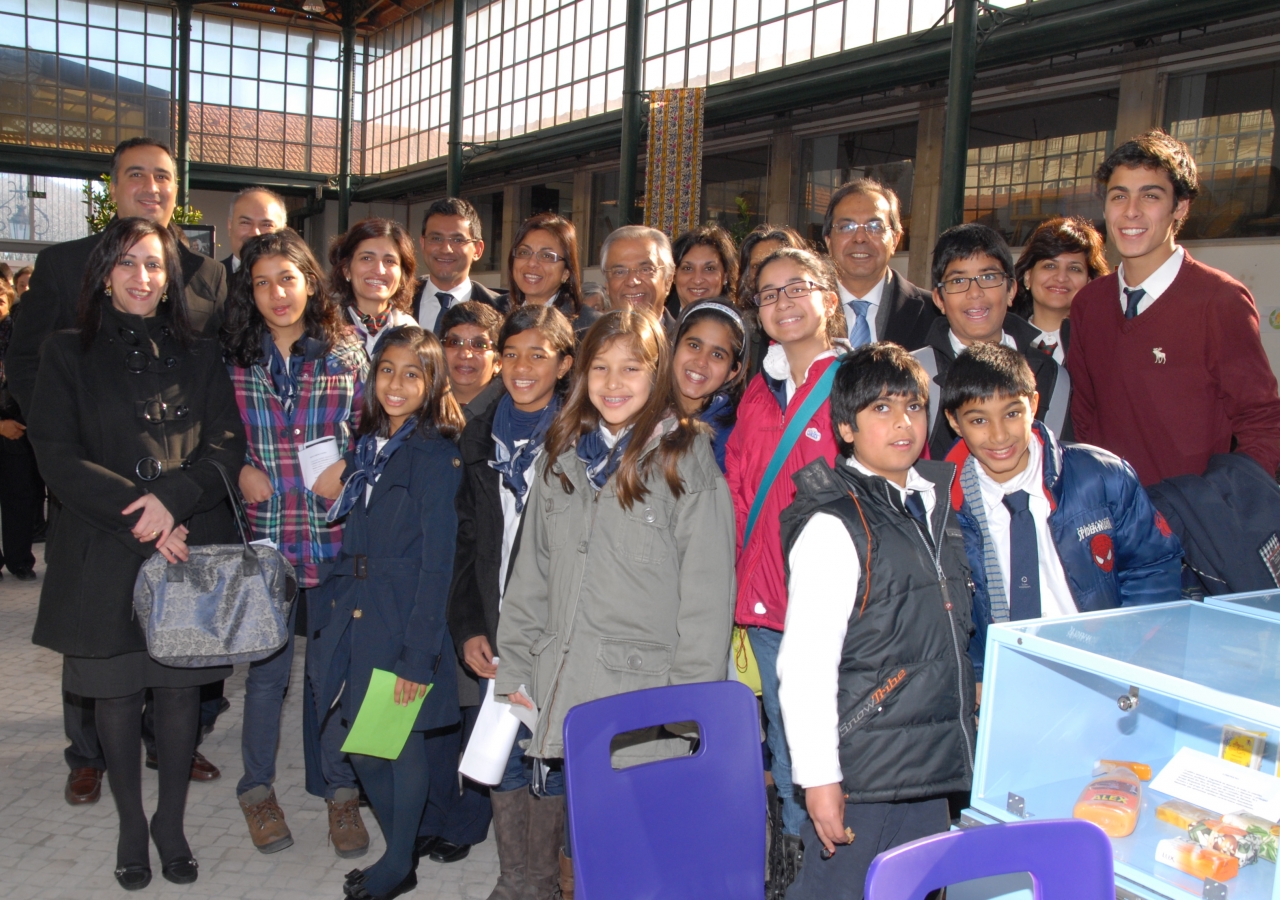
x,y
316,456
1218,785
485,759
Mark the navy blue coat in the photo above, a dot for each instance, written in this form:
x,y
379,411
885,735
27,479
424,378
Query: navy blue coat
x,y
393,618
1115,547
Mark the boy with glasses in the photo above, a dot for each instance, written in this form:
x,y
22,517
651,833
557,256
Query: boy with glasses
x,y
974,288
452,240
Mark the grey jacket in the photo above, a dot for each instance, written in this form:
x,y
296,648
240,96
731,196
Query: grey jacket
x,y
603,600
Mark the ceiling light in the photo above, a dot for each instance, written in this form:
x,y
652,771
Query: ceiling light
x,y
313,6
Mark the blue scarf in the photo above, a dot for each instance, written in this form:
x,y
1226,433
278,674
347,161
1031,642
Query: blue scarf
x,y
284,373
600,459
370,461
510,427
715,410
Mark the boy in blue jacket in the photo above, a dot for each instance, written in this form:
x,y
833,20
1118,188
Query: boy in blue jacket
x,y
1050,529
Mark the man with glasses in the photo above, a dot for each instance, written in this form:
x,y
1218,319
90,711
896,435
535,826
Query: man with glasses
x,y
862,229
638,269
974,288
452,240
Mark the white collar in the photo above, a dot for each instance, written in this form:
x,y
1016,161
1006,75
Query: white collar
x,y
1030,479
959,348
776,366
611,439
235,263
873,296
461,293
1158,281
916,483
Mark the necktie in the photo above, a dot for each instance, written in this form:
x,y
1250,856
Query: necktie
x,y
915,506
445,299
1024,559
860,333
1132,297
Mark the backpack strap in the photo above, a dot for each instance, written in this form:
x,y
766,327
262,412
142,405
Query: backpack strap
x,y
816,397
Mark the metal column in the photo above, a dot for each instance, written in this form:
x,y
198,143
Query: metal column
x,y
955,140
344,151
456,87
632,112
184,102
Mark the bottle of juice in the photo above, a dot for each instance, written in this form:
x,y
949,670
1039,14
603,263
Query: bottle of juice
x,y
1111,801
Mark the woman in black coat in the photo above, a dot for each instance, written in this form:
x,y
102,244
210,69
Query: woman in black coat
x,y
123,409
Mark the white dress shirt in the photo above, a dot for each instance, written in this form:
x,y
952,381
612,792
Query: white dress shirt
x,y
235,263
1055,593
1156,284
820,597
778,368
1051,339
873,297
430,308
958,348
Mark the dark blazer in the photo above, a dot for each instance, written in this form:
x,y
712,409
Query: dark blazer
x,y
88,426
50,304
906,313
394,617
226,265
499,300
580,321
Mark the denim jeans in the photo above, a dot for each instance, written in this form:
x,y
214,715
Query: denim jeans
x,y
264,692
517,773
765,643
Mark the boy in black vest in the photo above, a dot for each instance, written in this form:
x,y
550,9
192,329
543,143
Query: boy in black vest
x,y
876,688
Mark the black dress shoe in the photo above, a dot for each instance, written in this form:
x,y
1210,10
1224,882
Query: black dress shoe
x,y
133,878
355,889
447,852
424,844
24,574
183,870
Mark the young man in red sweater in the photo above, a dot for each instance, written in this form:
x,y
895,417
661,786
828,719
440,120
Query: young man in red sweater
x,y
1165,357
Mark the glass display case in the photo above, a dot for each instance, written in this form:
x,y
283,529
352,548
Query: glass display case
x,y
1136,684
1263,603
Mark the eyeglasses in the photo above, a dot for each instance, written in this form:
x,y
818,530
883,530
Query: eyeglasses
x,y
795,290
478,344
441,240
986,281
545,256
875,228
644,270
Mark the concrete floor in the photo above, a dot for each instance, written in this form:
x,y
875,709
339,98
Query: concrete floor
x,y
51,851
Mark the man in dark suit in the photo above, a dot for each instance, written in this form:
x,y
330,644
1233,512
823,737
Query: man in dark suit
x,y
143,183
452,240
862,229
254,211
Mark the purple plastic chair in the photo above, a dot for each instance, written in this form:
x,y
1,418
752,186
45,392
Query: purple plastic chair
x,y
1069,859
690,827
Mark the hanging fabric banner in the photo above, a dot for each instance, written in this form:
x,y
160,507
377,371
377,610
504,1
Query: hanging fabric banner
x,y
673,179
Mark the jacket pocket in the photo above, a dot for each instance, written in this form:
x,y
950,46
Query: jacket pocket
x,y
645,532
555,519
629,666
545,658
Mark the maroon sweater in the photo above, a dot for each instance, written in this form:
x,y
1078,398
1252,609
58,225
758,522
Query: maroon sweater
x,y
1171,387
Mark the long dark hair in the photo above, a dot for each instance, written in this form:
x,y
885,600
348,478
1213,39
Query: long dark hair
x,y
243,326
823,274
563,231
710,235
1051,239
343,249
579,417
439,408
117,240
547,321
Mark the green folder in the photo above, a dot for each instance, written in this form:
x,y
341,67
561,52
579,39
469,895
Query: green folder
x,y
382,726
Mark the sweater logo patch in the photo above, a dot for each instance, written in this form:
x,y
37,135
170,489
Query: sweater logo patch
x,y
1103,524
1162,525
813,434
1158,353
1104,554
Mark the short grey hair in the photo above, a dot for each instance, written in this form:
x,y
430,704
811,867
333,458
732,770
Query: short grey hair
x,y
256,189
640,233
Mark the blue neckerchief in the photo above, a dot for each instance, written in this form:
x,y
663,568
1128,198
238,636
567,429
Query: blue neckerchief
x,y
511,426
284,374
370,461
600,459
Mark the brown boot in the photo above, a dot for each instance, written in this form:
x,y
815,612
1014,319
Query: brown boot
x,y
265,819
566,877
546,837
511,829
346,829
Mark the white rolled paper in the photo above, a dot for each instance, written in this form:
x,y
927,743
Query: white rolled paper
x,y
485,759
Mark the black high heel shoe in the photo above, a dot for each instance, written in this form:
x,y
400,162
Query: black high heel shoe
x,y
133,878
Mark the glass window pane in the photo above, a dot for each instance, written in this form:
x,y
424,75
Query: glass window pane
x,y
244,34
72,11
799,38
271,96
101,12
42,35
272,67
244,63
159,21
244,92
885,154
217,89
159,50
217,58
13,29
324,103
272,38
826,29
102,43
217,30
132,17
130,48
72,40
297,70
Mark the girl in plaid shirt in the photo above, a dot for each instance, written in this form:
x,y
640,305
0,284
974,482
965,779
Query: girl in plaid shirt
x,y
298,372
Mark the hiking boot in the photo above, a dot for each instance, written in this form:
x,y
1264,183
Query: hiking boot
x,y
346,828
266,822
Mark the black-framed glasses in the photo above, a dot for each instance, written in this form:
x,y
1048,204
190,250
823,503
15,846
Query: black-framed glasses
x,y
986,281
477,344
545,256
795,290
440,240
875,228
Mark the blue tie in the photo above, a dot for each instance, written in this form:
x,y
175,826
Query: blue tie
x,y
915,505
1024,559
1132,297
445,299
861,332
